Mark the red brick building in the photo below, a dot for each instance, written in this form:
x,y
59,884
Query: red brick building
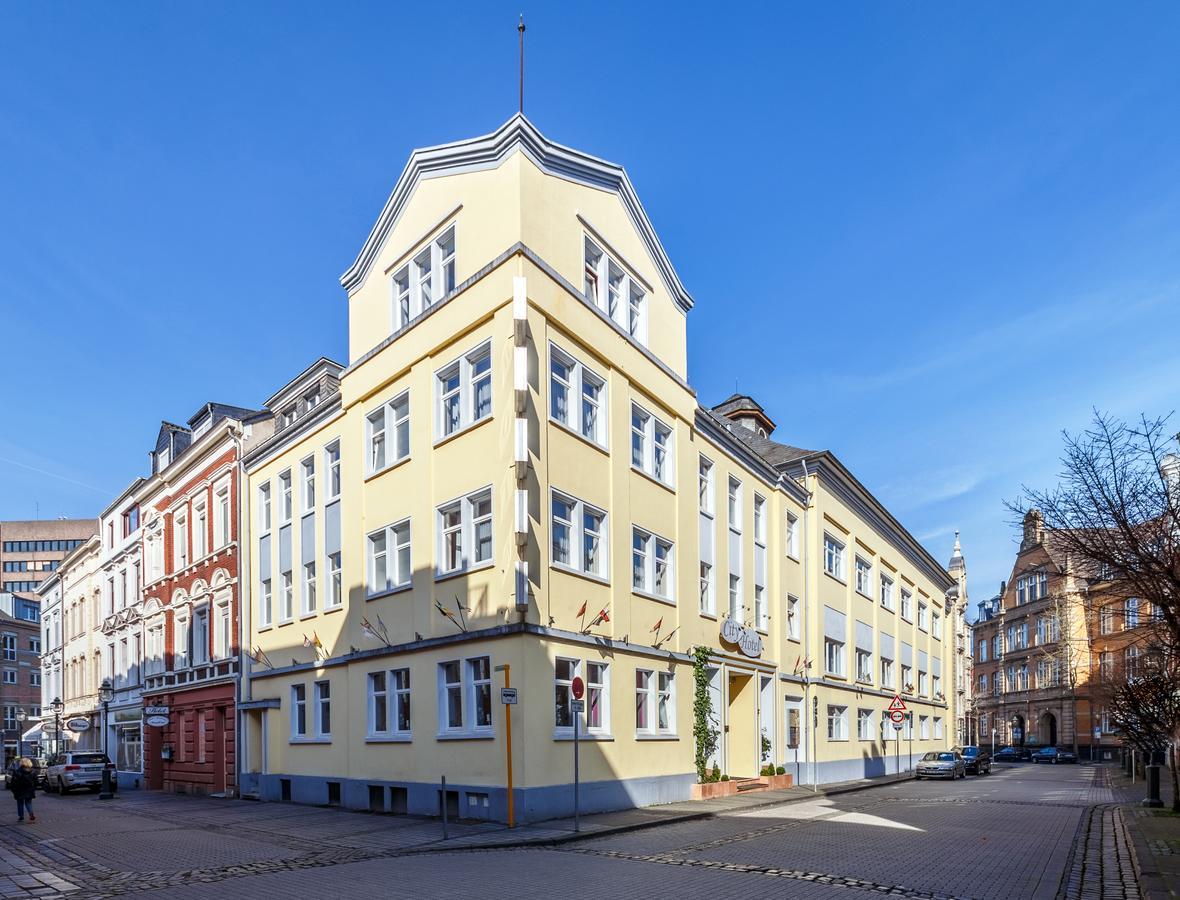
x,y
191,553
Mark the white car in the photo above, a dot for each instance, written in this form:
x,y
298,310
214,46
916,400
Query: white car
x,y
76,769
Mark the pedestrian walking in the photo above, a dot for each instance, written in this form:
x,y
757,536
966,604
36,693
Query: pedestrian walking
x,y
24,789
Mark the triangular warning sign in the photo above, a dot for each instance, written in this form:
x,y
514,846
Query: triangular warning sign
x,y
896,705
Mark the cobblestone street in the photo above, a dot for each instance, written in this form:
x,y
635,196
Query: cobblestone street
x,y
1028,831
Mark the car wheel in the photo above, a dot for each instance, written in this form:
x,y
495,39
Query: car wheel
x,y
61,787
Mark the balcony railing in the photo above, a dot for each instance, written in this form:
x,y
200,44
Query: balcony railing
x,y
210,671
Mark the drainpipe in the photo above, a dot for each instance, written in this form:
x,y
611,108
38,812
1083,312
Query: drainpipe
x,y
809,715
241,683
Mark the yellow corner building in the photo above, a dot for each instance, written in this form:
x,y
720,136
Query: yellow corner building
x,y
512,481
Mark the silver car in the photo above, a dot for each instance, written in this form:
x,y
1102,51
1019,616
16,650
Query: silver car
x,y
76,769
942,764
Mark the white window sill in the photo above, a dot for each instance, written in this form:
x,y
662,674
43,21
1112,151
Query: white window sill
x,y
378,472
470,426
836,578
388,738
308,615
654,736
567,734
570,570
443,576
262,628
285,622
837,740
466,736
333,609
602,448
640,593
794,639
310,740
863,594
708,615
652,478
399,589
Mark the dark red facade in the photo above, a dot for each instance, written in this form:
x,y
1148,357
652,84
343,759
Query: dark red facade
x,y
194,687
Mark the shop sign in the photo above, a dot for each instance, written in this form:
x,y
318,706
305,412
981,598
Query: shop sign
x,y
156,721
78,724
155,710
747,639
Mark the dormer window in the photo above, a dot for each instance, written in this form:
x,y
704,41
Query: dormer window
x,y
162,459
613,290
287,416
428,278
312,400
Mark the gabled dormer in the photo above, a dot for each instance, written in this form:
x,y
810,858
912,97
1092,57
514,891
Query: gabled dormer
x,y
171,441
308,391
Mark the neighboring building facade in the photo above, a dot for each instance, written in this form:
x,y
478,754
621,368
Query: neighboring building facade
x,y
515,474
72,669
118,638
958,604
190,610
20,673
31,550
1050,646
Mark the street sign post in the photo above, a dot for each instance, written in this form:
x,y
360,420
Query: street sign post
x,y
897,717
577,705
508,696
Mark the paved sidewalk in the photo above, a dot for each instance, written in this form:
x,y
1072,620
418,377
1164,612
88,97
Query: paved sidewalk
x,y
1155,835
558,831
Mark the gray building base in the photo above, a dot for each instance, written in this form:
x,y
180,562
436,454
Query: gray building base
x,y
468,801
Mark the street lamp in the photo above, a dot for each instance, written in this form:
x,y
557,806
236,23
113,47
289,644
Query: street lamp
x,y
21,718
105,693
57,707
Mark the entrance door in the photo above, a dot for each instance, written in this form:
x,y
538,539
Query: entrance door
x,y
741,728
219,754
1049,729
716,719
1018,731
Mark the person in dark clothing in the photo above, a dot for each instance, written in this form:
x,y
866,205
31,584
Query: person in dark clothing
x,y
24,789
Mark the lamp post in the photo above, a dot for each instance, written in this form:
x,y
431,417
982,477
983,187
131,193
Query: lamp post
x,y
57,706
21,718
105,693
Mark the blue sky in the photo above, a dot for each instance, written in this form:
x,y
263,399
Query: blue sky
x,y
925,236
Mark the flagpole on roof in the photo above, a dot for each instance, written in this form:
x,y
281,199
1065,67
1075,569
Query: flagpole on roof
x,y
520,29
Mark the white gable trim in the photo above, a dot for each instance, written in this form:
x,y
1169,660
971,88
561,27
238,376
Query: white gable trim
x,y
489,151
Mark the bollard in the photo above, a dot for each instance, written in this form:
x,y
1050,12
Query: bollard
x,y
1153,788
443,796
108,790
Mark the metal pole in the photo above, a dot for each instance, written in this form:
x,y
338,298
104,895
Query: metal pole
x,y
577,826
520,28
508,737
443,797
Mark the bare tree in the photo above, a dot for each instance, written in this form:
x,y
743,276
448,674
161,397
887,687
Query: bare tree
x,y
1116,509
1144,705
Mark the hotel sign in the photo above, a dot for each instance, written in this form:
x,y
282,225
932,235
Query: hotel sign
x,y
747,639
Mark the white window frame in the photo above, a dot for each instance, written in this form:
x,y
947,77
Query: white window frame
x,y
307,482
833,657
335,598
299,710
265,603
577,536
645,548
397,554
468,376
837,722
392,699
864,724
466,531
907,605
286,498
322,691
834,550
424,281
223,635
653,448
609,286
308,600
333,482
387,428
657,684
793,536
706,488
864,576
469,688
793,616
923,616
264,509
222,515
887,585
887,673
575,384
200,534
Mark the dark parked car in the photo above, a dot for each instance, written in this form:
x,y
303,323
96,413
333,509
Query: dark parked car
x,y
1053,755
978,760
1007,754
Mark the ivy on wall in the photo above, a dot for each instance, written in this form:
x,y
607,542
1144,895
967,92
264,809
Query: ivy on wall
x,y
704,734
